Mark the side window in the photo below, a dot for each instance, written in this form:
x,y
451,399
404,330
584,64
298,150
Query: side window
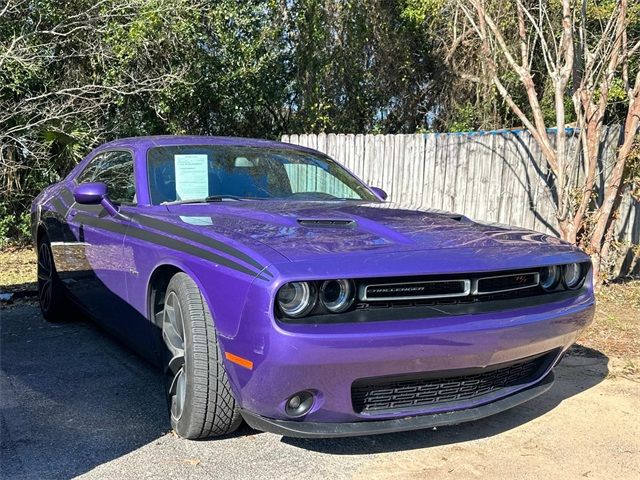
x,y
91,169
311,178
115,169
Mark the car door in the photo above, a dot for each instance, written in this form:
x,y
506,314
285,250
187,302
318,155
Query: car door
x,y
100,286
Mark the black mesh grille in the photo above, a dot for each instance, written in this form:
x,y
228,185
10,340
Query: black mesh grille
x,y
445,290
416,289
507,282
399,393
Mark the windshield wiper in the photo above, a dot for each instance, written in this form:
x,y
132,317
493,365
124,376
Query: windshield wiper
x,y
209,199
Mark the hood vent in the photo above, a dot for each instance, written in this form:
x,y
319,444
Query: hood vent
x,y
326,223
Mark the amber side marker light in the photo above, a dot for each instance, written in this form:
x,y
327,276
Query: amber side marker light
x,y
243,362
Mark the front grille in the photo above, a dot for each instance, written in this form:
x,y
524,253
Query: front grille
x,y
435,302
389,394
505,283
416,290
447,290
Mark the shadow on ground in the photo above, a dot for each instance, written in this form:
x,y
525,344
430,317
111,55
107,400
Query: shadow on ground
x,y
71,398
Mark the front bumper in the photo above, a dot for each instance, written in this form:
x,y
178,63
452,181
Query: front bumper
x,y
290,428
327,359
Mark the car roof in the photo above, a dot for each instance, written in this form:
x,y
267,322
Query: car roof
x,y
173,140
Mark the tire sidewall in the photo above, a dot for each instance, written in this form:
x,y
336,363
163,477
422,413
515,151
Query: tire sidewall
x,y
182,425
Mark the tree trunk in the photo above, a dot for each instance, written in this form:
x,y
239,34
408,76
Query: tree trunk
x,y
568,231
599,237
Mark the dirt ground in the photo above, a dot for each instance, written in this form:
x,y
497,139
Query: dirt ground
x,y
74,403
593,432
17,269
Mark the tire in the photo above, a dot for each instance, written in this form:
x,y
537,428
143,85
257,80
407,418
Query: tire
x,y
197,386
51,294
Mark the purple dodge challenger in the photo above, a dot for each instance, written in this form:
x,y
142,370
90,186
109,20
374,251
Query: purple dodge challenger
x,y
276,287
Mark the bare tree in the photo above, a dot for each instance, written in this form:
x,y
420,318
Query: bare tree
x,y
582,63
57,84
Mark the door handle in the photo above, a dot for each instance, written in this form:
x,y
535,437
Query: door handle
x,y
73,212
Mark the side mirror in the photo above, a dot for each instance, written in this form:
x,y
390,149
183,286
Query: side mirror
x,y
90,193
379,192
95,194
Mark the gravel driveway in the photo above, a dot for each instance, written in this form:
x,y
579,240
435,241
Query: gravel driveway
x,y
75,403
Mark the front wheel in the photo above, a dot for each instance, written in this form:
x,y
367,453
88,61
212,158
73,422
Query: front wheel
x,y
196,382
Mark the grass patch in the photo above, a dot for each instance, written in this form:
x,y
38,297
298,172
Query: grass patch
x,y
616,329
17,269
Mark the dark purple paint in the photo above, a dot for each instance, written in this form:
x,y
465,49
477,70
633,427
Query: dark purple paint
x,y
386,241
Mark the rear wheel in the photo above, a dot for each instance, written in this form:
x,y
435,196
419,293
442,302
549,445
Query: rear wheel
x,y
51,295
196,382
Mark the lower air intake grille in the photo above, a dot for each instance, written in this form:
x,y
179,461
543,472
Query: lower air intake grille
x,y
388,394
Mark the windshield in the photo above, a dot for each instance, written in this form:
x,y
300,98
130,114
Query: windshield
x,y
185,172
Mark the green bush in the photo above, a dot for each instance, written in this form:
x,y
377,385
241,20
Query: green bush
x,y
15,227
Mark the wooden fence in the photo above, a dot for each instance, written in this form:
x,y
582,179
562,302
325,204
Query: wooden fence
x,y
497,176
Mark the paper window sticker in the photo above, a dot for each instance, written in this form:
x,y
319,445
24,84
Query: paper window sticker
x,y
192,176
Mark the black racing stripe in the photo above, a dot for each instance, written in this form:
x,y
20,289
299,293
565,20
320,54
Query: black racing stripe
x,y
67,196
58,206
111,226
96,209
179,231
164,242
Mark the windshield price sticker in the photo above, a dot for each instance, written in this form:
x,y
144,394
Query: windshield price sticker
x,y
192,176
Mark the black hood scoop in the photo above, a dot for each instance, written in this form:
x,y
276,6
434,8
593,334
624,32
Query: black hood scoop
x,y
327,222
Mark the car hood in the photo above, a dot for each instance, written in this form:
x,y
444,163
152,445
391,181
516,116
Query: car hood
x,y
311,230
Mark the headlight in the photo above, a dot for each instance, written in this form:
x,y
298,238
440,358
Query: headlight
x,y
573,275
296,299
549,277
337,295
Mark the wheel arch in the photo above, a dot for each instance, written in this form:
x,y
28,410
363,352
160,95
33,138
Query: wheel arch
x,y
159,281
226,316
157,287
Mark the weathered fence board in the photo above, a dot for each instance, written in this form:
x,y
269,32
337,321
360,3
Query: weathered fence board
x,y
489,176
